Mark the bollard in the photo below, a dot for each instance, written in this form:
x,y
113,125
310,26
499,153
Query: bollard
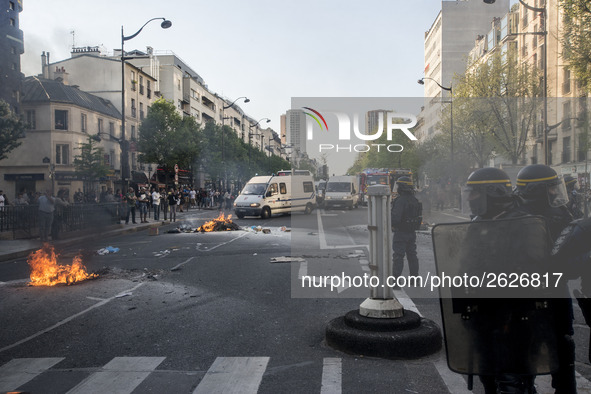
x,y
382,303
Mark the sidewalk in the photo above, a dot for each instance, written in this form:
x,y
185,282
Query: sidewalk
x,y
19,248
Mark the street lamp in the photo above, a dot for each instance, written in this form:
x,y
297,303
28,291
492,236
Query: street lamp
x,y
451,111
224,108
125,173
544,32
267,120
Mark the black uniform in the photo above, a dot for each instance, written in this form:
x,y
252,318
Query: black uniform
x,y
406,211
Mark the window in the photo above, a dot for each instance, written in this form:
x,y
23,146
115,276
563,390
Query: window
x,y
566,83
83,122
13,50
12,22
141,84
582,150
566,115
112,128
566,150
11,5
133,132
133,108
308,187
61,120
272,190
62,154
149,89
133,81
31,122
178,83
111,159
282,188
100,125
141,111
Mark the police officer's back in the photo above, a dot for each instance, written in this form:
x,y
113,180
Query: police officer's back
x,y
406,219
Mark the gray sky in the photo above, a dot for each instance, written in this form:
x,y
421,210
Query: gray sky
x,y
268,50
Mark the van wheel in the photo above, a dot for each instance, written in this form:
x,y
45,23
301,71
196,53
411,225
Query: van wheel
x,y
240,215
308,209
266,213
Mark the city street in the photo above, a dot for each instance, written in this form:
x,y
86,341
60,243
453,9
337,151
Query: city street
x,y
199,312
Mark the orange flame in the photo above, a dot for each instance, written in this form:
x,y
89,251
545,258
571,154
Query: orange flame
x,y
45,270
211,225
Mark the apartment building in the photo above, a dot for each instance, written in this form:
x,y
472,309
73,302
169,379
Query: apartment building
x,y
447,43
11,47
529,33
59,118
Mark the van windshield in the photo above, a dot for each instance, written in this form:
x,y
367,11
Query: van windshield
x,y
338,187
254,188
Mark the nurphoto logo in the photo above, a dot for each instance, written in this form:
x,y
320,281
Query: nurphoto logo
x,y
394,121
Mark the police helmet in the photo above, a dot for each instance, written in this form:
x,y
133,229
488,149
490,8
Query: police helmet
x,y
571,183
487,192
404,184
540,183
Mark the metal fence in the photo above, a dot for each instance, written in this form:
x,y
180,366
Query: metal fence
x,y
21,220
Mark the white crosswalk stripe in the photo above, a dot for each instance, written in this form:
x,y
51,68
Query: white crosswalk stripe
x,y
119,376
240,375
332,376
19,371
233,375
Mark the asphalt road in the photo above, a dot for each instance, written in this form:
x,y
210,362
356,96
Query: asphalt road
x,y
199,312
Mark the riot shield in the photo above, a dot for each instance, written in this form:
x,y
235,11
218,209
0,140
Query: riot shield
x,y
502,329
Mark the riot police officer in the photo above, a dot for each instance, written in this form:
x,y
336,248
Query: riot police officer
x,y
406,219
574,203
488,194
542,192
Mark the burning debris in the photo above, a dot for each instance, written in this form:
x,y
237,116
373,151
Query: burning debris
x,y
45,271
221,223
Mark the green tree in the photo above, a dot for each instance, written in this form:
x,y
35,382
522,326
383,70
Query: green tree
x,y
498,97
167,138
90,163
11,130
576,39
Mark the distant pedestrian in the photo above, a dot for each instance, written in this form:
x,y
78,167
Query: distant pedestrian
x,y
131,200
172,204
156,204
143,205
46,208
60,204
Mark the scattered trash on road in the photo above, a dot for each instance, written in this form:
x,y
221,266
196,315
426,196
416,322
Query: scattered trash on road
x,y
162,253
107,250
287,259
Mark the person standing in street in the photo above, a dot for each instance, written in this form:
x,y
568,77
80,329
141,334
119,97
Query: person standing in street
x,y
406,219
172,203
156,204
46,208
131,199
542,192
143,204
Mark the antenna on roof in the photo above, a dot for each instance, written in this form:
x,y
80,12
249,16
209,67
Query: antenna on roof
x,y
73,33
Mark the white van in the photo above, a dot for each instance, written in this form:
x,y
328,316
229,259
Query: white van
x,y
341,191
283,193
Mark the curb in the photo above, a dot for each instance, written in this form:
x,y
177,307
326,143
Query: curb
x,y
72,241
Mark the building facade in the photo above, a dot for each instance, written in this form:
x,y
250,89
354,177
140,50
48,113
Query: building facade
x,y
447,43
11,48
59,118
